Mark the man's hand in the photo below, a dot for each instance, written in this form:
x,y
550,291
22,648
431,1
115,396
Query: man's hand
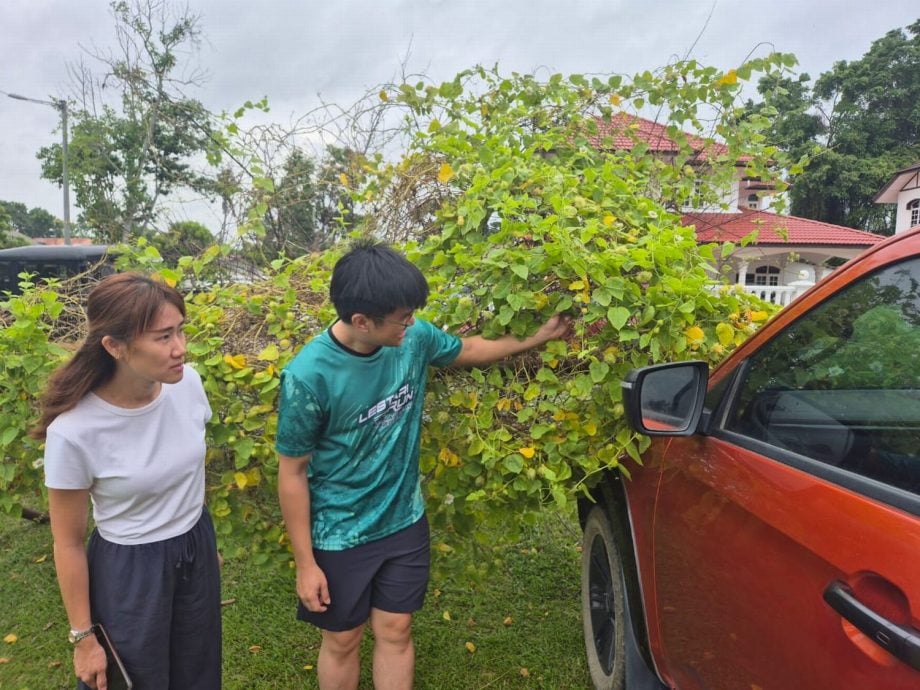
x,y
312,588
557,328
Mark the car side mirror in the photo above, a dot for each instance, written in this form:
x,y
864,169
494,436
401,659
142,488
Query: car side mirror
x,y
666,399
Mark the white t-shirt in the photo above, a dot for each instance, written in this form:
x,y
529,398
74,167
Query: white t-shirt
x,y
143,467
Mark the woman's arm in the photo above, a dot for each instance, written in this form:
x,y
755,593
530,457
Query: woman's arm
x,y
69,510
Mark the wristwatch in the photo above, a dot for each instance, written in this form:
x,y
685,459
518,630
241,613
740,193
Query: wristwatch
x,y
77,635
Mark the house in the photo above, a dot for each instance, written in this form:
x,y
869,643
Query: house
x,y
903,189
789,253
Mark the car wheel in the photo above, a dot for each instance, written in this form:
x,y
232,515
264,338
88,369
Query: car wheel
x,y
603,603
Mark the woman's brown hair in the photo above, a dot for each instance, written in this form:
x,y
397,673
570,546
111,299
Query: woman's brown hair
x,y
122,306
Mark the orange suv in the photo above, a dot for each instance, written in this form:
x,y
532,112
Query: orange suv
x,y
771,539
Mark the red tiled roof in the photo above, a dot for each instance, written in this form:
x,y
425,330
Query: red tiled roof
x,y
623,131
775,229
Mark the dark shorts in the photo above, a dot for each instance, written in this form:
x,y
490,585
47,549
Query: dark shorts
x,y
389,574
160,604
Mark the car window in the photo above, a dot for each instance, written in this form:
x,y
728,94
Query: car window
x,y
841,385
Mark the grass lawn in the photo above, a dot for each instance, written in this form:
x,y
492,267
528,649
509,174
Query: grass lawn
x,y
521,629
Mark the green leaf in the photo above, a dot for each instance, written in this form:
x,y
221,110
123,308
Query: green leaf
x,y
618,316
520,270
8,435
599,371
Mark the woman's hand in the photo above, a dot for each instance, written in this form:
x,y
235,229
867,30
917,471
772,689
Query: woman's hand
x,y
90,663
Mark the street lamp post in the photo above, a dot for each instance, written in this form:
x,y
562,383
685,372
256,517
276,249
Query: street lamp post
x,y
60,106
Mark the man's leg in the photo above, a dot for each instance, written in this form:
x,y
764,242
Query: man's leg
x,y
339,663
394,653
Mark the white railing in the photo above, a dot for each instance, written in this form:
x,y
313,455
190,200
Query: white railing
x,y
777,294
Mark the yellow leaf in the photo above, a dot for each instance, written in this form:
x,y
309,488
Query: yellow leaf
x,y
241,480
729,78
384,96
470,647
308,667
235,361
12,638
446,615
256,648
445,173
609,218
4,660
527,452
445,548
343,178
503,404
525,672
576,285
448,457
41,559
694,333
590,428
507,620
759,316
726,333
169,280
269,353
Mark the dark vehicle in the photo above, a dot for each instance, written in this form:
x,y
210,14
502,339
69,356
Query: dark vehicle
x,y
55,261
771,538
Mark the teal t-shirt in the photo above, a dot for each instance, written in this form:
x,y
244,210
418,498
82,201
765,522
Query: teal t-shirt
x,y
359,417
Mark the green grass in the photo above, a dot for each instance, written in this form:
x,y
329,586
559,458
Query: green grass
x,y
524,622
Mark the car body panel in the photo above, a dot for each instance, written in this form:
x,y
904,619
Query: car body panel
x,y
735,548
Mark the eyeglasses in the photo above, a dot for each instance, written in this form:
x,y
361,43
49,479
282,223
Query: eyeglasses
x,y
400,323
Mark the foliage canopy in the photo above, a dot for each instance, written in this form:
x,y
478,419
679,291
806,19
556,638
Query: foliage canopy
x,y
515,210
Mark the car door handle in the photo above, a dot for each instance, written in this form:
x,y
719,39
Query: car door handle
x,y
902,642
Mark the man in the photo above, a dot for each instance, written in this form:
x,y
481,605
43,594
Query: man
x,y
349,425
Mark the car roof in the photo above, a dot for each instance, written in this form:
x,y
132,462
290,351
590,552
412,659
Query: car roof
x,y
40,252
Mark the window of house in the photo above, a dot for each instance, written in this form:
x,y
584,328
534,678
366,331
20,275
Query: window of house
x,y
763,275
753,201
914,208
841,385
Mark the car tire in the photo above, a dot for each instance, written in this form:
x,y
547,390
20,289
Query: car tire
x,y
603,603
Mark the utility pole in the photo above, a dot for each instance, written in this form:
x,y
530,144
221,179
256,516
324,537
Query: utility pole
x,y
60,106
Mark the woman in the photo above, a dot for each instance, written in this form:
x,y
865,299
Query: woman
x,y
124,425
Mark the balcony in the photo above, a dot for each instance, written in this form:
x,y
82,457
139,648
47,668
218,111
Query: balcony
x,y
777,294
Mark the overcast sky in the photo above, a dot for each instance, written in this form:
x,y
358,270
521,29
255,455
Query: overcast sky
x,y
294,51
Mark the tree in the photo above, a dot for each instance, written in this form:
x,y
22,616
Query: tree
x,y
307,207
7,238
864,119
32,222
184,238
126,156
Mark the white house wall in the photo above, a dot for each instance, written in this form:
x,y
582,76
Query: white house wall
x,y
902,219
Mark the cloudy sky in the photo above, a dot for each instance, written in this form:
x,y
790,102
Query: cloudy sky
x,y
297,52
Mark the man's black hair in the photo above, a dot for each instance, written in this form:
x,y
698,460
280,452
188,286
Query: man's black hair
x,y
375,280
